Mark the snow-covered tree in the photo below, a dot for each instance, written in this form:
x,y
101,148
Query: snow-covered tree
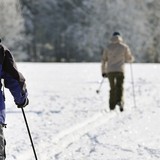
x,y
78,30
12,27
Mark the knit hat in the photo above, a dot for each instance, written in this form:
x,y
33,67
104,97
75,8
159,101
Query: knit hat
x,y
116,34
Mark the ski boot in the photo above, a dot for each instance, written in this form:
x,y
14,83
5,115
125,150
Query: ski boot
x,y
120,104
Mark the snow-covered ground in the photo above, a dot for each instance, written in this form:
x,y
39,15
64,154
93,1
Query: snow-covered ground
x,y
70,121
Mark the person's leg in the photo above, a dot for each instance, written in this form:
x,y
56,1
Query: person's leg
x,y
112,91
2,144
119,89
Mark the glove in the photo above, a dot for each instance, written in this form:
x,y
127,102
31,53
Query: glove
x,y
104,75
25,103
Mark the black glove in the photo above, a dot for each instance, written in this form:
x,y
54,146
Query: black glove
x,y
104,75
25,103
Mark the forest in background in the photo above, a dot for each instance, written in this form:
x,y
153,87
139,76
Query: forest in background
x,y
79,30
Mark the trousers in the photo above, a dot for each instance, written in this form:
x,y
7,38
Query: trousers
x,y
116,80
2,144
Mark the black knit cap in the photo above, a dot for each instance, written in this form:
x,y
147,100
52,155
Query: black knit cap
x,y
116,34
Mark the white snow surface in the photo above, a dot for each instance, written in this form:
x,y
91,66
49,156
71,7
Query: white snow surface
x,y
68,120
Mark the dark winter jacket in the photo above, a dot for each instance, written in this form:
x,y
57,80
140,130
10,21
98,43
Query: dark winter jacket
x,y
13,80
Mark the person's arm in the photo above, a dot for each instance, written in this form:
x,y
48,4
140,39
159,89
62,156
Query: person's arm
x,y
128,55
14,80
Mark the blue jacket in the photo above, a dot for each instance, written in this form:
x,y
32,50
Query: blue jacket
x,y
13,80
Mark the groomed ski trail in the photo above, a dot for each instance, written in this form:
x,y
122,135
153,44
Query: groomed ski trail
x,y
74,133
66,137
70,135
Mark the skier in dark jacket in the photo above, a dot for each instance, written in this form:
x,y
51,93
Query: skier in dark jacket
x,y
15,82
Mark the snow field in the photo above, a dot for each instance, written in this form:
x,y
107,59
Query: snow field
x,y
70,121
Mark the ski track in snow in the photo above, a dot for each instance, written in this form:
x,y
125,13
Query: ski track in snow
x,y
67,137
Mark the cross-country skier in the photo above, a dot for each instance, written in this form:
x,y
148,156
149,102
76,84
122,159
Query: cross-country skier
x,y
113,59
15,82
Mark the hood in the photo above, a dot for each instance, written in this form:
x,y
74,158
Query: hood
x,y
116,39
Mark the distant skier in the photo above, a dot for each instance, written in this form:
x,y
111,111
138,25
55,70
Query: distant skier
x,y
15,82
112,65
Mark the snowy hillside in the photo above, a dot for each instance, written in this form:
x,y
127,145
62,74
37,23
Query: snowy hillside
x,y
70,121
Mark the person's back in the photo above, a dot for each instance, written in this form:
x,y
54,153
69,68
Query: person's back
x,y
116,54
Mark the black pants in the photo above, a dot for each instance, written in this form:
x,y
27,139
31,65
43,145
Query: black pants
x,y
116,80
2,144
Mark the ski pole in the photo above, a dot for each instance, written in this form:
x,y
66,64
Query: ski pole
x,y
98,90
25,119
133,88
